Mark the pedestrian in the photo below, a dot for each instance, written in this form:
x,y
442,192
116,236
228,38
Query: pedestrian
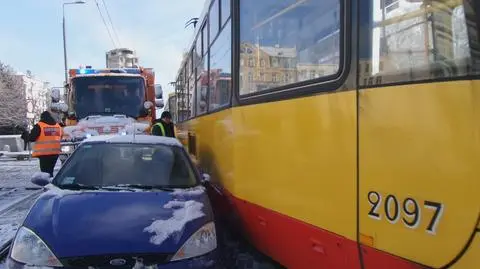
x,y
164,126
46,134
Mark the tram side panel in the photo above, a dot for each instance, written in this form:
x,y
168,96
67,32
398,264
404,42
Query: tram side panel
x,y
295,173
419,170
418,140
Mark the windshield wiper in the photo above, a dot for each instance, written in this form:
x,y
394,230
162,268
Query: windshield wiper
x,y
76,186
144,187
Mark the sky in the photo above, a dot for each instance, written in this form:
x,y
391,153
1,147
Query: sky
x,y
31,35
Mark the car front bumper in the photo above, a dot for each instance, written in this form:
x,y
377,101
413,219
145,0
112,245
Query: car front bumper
x,y
207,261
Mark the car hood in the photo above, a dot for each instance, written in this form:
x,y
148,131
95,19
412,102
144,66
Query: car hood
x,y
83,223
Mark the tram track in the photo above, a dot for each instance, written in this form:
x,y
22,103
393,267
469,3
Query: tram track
x,y
17,196
13,212
4,249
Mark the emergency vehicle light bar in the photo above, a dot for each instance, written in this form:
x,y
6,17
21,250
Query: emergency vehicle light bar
x,y
83,71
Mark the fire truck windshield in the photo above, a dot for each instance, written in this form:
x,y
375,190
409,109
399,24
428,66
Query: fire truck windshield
x,y
108,95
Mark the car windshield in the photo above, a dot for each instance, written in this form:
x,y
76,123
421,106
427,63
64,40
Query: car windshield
x,y
108,95
111,164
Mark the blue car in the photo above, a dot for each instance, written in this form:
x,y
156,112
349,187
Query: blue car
x,y
120,202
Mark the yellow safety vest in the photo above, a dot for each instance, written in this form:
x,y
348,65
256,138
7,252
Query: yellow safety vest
x,y
162,128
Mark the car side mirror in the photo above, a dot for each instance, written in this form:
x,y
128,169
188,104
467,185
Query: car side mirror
x,y
205,178
41,179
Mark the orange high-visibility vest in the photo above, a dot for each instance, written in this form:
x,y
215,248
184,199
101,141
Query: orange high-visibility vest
x,y
48,143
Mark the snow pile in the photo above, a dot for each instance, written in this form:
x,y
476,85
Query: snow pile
x,y
195,191
183,212
137,139
41,174
53,190
91,124
138,128
98,119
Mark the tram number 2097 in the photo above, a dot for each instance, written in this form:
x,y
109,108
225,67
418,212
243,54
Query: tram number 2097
x,y
409,211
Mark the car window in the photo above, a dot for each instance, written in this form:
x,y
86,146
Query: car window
x,y
109,164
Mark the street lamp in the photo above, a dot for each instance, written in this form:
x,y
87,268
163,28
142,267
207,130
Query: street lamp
x,y
64,39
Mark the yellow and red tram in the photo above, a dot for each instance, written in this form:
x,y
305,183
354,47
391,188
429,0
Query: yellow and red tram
x,y
345,134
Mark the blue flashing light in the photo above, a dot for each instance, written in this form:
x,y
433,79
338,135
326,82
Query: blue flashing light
x,y
84,71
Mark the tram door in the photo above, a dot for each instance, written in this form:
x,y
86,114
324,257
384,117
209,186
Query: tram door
x,y
418,133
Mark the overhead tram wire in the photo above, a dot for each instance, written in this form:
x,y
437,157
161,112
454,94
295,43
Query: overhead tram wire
x,y
105,23
111,23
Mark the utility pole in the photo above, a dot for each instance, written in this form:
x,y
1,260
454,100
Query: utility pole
x,y
64,39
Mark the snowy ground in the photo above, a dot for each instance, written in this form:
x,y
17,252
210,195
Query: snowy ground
x,y
17,193
15,186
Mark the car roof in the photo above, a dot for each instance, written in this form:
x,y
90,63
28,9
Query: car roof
x,y
133,139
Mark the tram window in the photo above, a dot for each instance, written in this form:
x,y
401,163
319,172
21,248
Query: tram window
x,y
220,69
291,37
200,61
191,61
405,41
206,77
205,38
191,96
225,10
201,96
198,51
214,20
182,96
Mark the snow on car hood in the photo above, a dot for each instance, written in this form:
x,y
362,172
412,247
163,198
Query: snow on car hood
x,y
99,125
81,223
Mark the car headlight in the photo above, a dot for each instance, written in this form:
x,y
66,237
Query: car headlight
x,y
67,149
30,249
201,242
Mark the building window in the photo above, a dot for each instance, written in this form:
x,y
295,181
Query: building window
x,y
307,36
220,69
274,62
391,5
251,62
420,48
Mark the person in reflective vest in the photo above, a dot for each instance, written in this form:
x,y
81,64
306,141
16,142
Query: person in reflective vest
x,y
46,134
164,126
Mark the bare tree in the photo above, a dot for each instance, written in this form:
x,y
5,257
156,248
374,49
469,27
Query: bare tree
x,y
13,108
36,103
